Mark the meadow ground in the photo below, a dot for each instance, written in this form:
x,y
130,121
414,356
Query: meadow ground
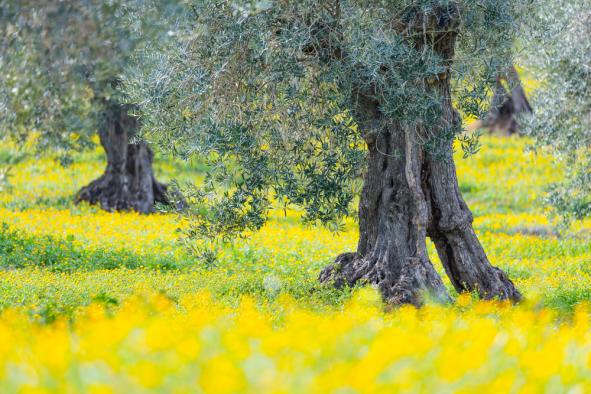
x,y
110,302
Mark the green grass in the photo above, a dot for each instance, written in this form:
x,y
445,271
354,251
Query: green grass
x,y
60,271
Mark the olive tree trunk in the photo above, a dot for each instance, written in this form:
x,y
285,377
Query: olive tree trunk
x,y
409,193
128,182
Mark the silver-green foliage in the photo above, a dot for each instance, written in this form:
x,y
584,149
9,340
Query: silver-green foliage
x,y
558,45
266,91
59,59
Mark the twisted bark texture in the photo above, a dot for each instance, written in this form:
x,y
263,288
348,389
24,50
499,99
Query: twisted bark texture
x,y
128,182
411,192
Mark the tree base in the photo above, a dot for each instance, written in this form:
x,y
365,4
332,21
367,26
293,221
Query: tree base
x,y
413,282
108,193
132,188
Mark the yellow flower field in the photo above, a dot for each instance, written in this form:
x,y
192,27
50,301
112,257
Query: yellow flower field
x,y
97,302
199,345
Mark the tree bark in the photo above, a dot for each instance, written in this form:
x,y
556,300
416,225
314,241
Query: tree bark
x,y
411,191
393,215
128,182
506,106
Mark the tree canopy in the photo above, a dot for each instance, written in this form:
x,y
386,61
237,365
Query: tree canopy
x,y
269,94
558,42
59,59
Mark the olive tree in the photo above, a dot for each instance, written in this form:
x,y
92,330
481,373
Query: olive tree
x,y
559,51
61,65
509,103
293,101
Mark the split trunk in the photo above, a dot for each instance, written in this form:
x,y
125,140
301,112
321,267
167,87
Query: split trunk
x,y
409,193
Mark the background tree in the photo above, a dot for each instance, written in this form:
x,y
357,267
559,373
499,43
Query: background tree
x,y
293,101
509,103
61,63
559,48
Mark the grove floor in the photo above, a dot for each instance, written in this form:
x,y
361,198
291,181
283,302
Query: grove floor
x,y
97,301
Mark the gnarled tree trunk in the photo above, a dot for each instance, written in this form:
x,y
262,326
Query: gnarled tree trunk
x,y
393,220
128,181
411,192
